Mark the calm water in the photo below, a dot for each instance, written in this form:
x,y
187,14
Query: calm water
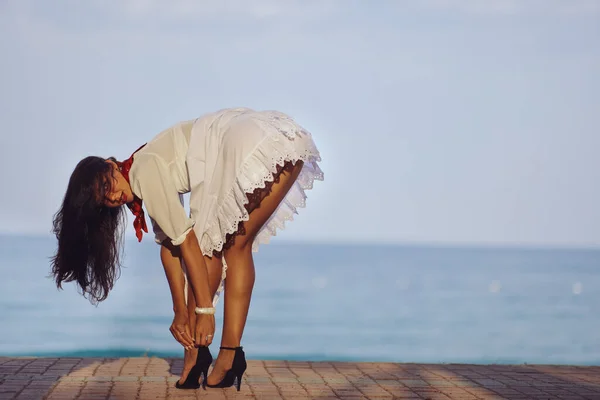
x,y
318,302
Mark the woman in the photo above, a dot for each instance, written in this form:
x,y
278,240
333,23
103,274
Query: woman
x,y
246,172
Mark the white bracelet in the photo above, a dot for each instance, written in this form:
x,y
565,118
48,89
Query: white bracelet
x,y
205,310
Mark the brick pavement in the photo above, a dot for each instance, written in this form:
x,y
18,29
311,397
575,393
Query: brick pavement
x,y
153,378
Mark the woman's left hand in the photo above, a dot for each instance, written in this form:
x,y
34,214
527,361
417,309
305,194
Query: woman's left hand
x,y
205,329
180,329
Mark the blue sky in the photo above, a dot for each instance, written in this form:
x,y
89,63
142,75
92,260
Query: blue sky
x,y
438,121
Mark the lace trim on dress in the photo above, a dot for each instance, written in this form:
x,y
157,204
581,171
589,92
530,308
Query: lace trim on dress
x,y
254,200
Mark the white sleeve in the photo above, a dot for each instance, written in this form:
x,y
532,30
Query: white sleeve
x,y
162,201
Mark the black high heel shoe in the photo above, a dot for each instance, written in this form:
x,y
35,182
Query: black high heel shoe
x,y
233,375
203,361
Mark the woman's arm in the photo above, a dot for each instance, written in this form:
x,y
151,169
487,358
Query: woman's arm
x,y
169,255
198,278
196,270
180,329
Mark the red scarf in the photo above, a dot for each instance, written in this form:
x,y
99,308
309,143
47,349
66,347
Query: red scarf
x,y
139,223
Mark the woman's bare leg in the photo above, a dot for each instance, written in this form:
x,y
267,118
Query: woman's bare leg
x,y
240,272
214,266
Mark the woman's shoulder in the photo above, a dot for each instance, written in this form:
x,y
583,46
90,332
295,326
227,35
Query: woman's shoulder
x,y
147,167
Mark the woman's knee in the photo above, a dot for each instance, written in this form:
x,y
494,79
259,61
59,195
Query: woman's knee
x,y
241,246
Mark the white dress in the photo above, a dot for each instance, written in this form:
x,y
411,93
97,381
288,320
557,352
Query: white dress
x,y
219,158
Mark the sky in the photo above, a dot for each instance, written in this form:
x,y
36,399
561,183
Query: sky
x,y
438,121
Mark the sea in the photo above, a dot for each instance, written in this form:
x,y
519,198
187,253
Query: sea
x,y
336,302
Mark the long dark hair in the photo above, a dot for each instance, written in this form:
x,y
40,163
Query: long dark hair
x,y
90,235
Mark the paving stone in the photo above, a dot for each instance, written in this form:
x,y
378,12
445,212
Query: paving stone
x,y
154,378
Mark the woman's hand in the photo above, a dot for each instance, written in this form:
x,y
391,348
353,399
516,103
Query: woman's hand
x,y
205,329
180,329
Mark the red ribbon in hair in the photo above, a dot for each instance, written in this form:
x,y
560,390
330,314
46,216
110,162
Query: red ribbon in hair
x,y
139,223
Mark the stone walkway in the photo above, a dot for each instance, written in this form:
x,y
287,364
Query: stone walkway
x,y
153,378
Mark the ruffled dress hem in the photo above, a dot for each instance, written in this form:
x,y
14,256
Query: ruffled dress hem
x,y
256,176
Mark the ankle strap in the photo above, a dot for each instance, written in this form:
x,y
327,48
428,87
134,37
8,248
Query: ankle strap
x,y
230,348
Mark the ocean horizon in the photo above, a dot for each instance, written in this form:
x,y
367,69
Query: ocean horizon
x,y
337,302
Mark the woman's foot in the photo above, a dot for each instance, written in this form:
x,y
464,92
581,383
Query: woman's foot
x,y
189,360
223,363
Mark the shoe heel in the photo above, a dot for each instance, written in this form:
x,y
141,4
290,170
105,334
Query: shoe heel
x,y
238,383
204,374
203,361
